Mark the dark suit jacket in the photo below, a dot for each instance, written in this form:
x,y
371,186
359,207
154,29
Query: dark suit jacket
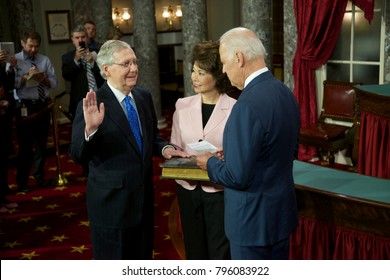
x,y
120,180
77,76
7,81
260,141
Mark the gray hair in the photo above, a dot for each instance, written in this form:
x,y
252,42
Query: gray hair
x,y
106,52
243,40
79,28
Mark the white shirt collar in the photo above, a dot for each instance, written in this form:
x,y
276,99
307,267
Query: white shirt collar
x,y
119,95
254,75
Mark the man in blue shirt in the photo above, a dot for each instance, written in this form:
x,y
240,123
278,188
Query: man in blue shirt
x,y
34,77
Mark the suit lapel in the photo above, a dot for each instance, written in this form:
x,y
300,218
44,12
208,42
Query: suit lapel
x,y
195,116
115,112
218,115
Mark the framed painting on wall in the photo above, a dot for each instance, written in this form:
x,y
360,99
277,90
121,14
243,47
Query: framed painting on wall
x,y
58,26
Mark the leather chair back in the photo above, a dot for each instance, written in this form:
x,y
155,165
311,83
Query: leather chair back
x,y
338,101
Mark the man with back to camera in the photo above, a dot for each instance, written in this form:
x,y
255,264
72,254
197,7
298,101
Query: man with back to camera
x,y
260,143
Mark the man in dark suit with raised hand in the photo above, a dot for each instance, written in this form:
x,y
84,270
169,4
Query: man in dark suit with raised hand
x,y
120,191
260,142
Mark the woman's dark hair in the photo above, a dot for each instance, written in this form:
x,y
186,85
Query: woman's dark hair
x,y
206,55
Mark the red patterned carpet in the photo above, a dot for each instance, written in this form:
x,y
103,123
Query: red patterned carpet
x,y
51,222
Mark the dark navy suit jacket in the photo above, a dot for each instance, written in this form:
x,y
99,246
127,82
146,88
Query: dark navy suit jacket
x,y
260,142
77,76
120,180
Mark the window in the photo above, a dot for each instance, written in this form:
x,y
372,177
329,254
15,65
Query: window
x,y
359,52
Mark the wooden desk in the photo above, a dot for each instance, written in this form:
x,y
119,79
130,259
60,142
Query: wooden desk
x,y
372,143
343,215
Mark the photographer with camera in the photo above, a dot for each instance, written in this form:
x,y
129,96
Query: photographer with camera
x,y
79,67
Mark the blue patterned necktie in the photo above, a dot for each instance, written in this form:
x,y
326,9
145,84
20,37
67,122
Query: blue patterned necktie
x,y
133,120
41,87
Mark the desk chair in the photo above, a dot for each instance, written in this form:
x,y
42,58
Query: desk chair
x,y
327,134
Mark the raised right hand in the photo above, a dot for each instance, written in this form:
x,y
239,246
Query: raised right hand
x,y
93,115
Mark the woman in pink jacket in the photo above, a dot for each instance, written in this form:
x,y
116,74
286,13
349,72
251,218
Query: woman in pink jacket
x,y
203,117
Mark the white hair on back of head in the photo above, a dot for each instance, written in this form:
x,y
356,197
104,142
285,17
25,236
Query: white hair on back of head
x,y
243,40
106,52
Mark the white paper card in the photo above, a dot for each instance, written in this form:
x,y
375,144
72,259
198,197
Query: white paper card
x,y
203,146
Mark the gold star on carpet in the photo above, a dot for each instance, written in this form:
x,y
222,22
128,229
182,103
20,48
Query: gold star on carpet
x,y
155,254
77,194
11,244
84,223
52,206
21,193
68,214
60,188
53,168
165,213
69,173
82,179
59,238
168,194
11,211
25,219
42,228
29,256
80,249
37,198
167,237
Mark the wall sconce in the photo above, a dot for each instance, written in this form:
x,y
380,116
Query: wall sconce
x,y
171,15
123,16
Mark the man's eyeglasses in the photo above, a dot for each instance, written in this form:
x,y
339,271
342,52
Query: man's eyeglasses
x,y
128,64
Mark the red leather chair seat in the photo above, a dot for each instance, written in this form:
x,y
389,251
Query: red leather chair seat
x,y
324,131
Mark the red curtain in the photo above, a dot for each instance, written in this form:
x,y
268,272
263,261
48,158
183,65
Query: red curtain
x,y
374,148
314,240
367,6
318,27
